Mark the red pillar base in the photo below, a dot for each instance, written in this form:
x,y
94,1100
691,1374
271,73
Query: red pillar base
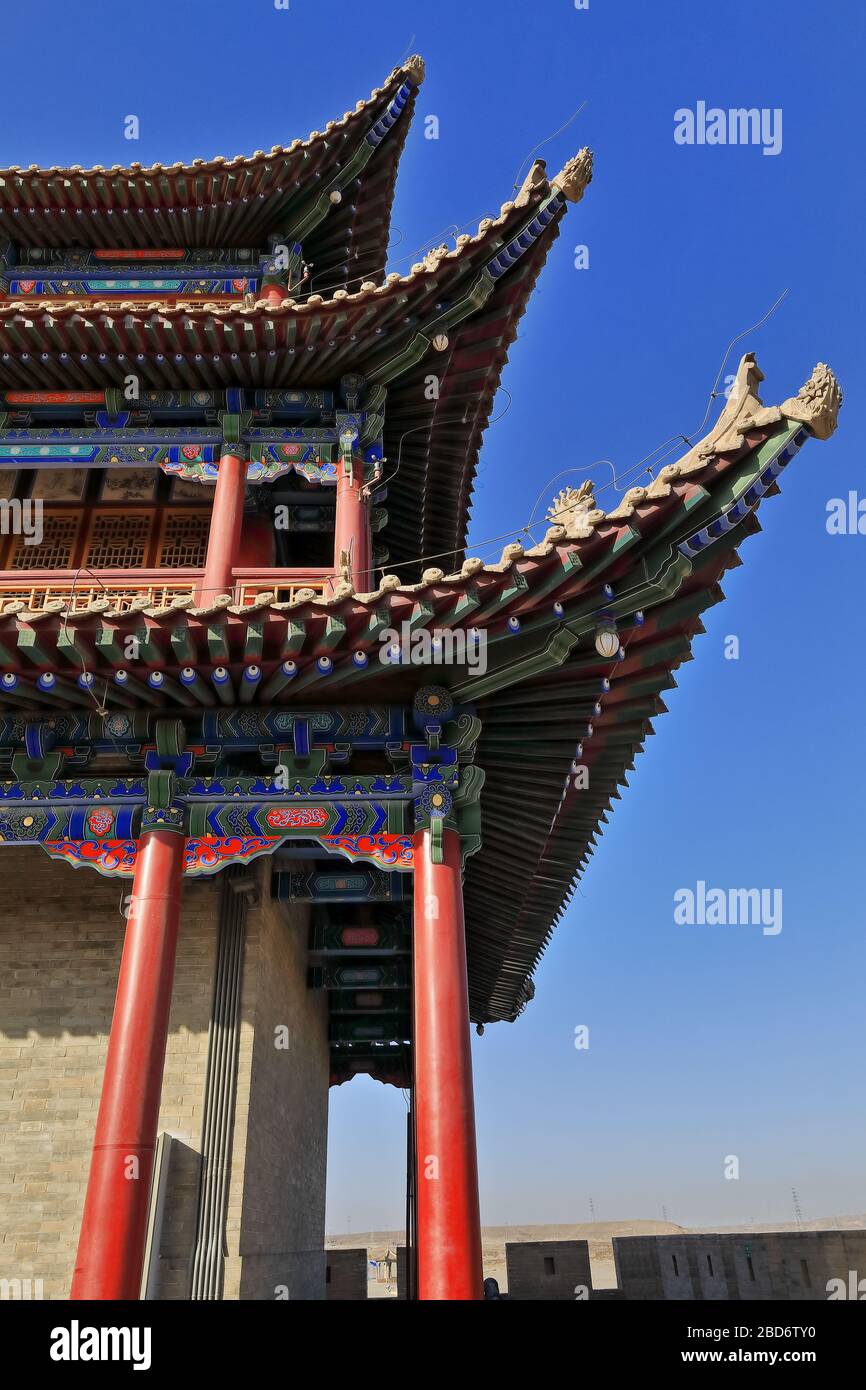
x,y
448,1216
114,1223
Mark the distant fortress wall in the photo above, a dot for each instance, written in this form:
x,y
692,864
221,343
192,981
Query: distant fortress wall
x,y
778,1265
787,1266
548,1269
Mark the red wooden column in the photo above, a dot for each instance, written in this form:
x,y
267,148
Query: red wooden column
x,y
114,1223
352,525
448,1223
225,528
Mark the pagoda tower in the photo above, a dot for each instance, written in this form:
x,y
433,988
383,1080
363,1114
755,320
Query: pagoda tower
x,y
330,781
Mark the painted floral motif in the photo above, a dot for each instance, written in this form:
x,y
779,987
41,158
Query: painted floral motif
x,y
296,817
100,822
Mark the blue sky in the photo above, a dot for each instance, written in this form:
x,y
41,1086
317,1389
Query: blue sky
x,y
704,1042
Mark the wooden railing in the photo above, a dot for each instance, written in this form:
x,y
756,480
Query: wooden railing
x,y
283,584
77,589
122,589
166,301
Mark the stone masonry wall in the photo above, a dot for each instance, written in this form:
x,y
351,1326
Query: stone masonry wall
x,y
346,1275
764,1265
61,934
548,1269
276,1212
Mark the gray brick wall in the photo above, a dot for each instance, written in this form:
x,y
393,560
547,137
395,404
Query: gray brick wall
x,y
784,1265
61,934
345,1275
548,1269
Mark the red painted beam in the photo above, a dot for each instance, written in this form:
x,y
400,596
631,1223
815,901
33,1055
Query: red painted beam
x,y
113,1226
448,1217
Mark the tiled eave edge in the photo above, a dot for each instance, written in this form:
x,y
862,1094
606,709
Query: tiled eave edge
x,y
815,406
412,71
235,202
506,944
571,181
68,339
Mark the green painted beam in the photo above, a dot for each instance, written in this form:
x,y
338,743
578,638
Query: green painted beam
x,y
254,642
332,636
377,622
553,654
71,647
31,648
107,645
294,639
182,644
148,649
217,644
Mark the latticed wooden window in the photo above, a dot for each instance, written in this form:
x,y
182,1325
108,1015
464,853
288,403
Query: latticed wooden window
x,y
184,539
55,550
118,540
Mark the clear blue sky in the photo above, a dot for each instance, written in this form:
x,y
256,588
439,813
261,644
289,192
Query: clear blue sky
x,y
704,1042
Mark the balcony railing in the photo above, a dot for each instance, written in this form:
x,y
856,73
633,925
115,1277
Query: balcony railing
x,y
167,301
283,584
123,589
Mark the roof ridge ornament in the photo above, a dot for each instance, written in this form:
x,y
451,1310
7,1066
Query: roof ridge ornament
x,y
536,178
575,176
570,504
817,402
413,69
816,405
